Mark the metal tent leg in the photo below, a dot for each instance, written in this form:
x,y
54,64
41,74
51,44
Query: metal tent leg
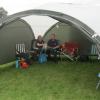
x,y
98,84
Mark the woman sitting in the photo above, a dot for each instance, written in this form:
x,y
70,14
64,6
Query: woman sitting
x,y
39,42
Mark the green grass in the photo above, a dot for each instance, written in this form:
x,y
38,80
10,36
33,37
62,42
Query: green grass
x,y
3,66
63,81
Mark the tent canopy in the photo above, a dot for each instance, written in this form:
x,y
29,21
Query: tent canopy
x,y
39,24
76,15
11,34
87,14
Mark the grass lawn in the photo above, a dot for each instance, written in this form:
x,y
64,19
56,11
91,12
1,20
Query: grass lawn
x,y
63,81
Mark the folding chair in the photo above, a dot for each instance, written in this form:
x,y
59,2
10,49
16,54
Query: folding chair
x,y
68,50
34,50
20,48
98,84
21,54
53,54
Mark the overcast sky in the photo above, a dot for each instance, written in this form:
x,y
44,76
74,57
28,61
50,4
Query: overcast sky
x,y
13,6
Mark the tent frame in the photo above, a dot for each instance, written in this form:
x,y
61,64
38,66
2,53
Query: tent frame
x,y
56,15
90,34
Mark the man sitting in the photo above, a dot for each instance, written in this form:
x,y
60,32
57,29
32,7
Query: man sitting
x,y
53,47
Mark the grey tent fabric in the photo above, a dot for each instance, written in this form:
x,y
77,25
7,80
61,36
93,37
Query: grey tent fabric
x,y
22,33
69,33
15,32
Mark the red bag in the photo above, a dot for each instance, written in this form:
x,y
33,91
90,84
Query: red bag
x,y
24,65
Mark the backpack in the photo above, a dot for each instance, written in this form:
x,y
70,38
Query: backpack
x,y
42,58
24,65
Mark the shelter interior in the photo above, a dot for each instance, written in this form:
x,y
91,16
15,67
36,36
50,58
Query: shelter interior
x,y
19,31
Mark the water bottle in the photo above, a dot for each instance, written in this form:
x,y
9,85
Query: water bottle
x,y
17,63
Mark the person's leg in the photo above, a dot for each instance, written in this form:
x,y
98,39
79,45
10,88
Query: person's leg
x,y
55,56
48,52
